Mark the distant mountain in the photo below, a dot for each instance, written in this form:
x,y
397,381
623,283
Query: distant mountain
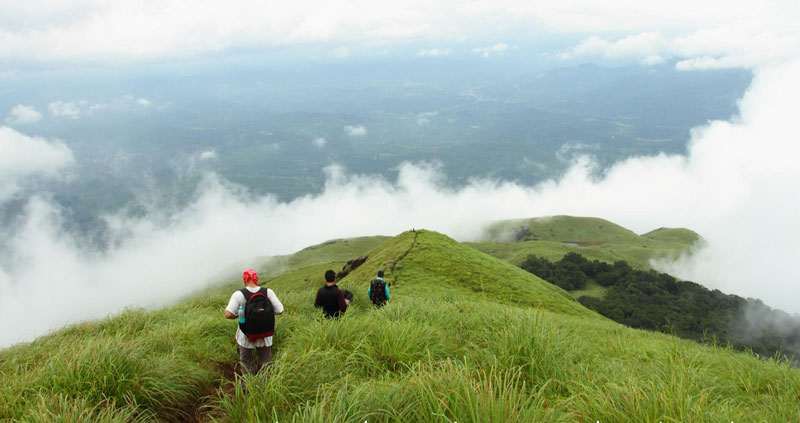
x,y
552,237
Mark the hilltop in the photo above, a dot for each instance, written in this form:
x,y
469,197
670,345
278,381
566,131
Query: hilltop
x,y
467,337
552,237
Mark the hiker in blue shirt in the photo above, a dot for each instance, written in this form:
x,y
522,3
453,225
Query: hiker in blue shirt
x,y
378,291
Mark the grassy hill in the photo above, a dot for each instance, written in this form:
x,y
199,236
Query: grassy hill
x,y
595,239
467,337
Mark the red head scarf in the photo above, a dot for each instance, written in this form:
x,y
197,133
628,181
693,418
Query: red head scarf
x,y
250,275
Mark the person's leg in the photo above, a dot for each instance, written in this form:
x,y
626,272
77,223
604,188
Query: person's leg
x,y
264,357
247,359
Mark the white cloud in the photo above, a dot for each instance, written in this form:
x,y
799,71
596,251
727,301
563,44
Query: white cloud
x,y
645,46
67,109
22,157
652,60
435,52
735,47
113,31
570,150
80,108
424,118
208,155
717,47
21,114
493,50
355,130
319,142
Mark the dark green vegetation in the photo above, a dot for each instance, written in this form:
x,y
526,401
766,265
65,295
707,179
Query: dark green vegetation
x,y
467,337
657,301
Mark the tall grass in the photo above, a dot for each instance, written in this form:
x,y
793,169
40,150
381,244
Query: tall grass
x,y
139,366
500,363
440,351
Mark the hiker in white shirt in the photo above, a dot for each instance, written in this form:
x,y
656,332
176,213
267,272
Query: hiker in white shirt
x,y
248,346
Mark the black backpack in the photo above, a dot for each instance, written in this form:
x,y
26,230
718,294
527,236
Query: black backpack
x,y
377,292
259,317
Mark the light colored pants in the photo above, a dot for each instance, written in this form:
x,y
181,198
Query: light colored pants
x,y
248,360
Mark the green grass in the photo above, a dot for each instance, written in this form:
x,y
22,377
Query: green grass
x,y
467,338
427,262
595,239
335,251
592,289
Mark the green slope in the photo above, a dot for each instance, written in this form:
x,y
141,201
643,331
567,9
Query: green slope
x,y
677,236
594,238
466,337
581,230
334,250
423,262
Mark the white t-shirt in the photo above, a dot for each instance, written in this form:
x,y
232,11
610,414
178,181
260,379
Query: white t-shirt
x,y
238,299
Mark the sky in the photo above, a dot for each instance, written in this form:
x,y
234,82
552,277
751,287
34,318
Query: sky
x,y
735,186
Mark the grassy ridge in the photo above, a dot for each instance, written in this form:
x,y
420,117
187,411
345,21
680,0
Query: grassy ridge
x,y
593,238
427,262
466,338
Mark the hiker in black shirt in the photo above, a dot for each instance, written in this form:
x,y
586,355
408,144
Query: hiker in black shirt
x,y
330,298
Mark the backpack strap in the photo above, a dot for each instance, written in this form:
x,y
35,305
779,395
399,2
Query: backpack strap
x,y
246,293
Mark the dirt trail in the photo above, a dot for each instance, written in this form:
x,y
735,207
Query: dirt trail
x,y
402,256
199,410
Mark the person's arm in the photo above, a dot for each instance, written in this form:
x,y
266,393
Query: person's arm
x,y
232,309
317,302
277,306
342,302
386,289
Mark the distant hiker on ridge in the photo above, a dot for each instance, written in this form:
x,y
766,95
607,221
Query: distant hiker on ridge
x,y
255,307
331,299
378,291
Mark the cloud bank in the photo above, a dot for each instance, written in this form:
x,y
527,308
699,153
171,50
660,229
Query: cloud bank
x,y
708,48
736,188
20,115
493,50
208,155
355,130
64,108
91,30
23,157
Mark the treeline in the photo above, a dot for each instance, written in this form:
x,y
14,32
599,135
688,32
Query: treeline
x,y
658,301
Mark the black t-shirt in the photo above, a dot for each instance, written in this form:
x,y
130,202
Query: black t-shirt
x,y
331,299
